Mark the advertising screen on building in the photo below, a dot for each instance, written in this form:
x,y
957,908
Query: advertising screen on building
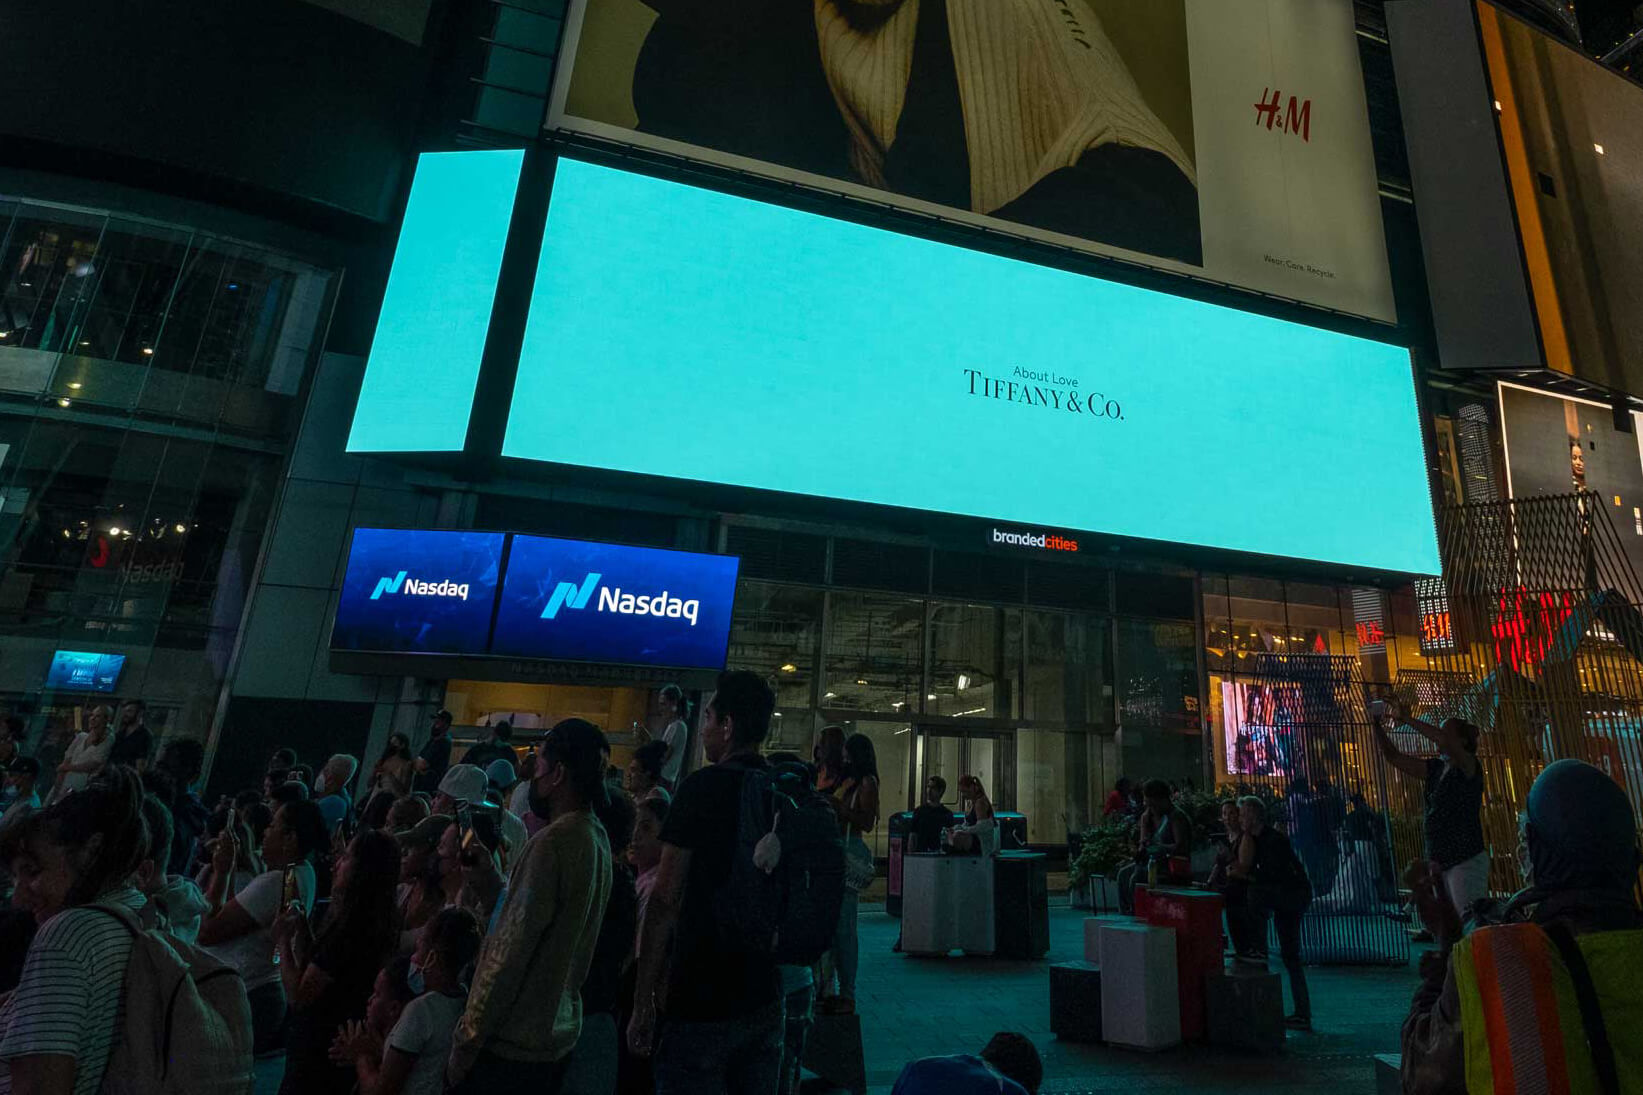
x,y
1558,445
82,669
573,600
418,591
436,309
1228,139
1569,129
680,332
1261,724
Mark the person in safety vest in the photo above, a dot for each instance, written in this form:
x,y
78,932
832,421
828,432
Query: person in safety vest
x,y
1548,996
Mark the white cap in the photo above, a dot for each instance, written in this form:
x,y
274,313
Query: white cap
x,y
465,783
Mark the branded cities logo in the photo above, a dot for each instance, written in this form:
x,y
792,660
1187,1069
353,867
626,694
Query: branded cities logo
x,y
1046,541
412,587
612,599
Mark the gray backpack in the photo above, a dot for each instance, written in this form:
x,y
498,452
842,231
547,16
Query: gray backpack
x,y
186,1024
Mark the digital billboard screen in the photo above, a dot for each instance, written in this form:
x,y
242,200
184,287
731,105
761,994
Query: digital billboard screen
x,y
436,308
574,600
1261,729
798,353
418,591
1568,130
82,669
1228,139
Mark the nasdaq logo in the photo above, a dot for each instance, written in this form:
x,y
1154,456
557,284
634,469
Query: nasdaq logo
x,y
413,587
571,595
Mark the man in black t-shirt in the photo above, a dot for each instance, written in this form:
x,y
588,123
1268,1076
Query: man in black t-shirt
x,y
133,740
931,817
720,1007
430,764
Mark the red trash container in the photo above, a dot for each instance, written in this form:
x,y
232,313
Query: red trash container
x,y
1196,917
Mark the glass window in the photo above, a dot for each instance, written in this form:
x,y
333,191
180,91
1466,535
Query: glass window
x,y
775,632
875,653
973,657
48,278
1066,677
118,313
1051,788
1157,675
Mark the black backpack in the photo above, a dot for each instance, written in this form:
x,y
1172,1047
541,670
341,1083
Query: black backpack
x,y
791,912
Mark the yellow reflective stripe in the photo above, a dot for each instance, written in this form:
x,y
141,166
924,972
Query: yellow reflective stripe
x,y
1480,1072
1521,1025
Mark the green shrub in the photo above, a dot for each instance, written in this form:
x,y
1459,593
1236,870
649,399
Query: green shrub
x,y
1105,846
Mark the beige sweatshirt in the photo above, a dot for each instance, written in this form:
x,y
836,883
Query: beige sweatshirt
x,y
525,1004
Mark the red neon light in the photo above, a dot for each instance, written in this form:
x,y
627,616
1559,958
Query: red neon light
x,y
1527,624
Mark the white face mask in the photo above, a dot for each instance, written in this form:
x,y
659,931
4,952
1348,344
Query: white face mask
x,y
319,783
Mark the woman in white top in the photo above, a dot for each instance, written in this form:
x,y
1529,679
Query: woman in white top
x,y
979,833
237,926
86,754
58,1028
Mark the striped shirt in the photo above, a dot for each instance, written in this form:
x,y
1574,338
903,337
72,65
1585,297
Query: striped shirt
x,y
69,1001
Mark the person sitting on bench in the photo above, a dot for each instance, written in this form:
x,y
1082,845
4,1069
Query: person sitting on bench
x,y
1164,834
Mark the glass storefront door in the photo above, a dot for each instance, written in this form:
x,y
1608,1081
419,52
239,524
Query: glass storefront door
x,y
985,754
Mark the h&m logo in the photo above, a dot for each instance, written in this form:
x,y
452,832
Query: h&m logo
x,y
1297,121
412,587
571,595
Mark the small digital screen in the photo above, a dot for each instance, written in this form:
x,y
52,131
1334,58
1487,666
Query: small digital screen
x,y
81,669
418,591
1263,728
573,600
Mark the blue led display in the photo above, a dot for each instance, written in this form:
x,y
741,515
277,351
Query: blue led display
x,y
574,600
81,669
421,592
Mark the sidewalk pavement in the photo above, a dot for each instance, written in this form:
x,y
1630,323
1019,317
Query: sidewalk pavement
x,y
925,1007
920,1007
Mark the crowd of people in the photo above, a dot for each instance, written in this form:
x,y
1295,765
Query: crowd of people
x,y
543,922
510,922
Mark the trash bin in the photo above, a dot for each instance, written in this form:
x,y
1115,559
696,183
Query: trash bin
x,y
1012,837
900,825
1021,905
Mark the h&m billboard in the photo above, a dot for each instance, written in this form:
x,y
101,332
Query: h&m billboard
x,y
1226,139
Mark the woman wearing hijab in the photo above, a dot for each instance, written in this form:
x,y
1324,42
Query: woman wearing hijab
x,y
1545,998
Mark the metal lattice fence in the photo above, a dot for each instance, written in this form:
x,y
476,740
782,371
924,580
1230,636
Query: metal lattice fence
x,y
1331,780
1546,655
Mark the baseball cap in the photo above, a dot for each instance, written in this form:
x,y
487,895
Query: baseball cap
x,y
581,747
500,773
465,783
424,835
